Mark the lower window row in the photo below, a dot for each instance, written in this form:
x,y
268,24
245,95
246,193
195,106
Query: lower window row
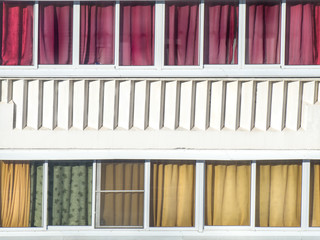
x,y
118,193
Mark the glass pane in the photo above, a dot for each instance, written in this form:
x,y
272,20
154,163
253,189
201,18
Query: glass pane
x,y
315,195
182,32
21,194
137,34
121,209
55,32
303,33
221,33
172,194
70,193
16,33
228,194
278,199
97,33
263,31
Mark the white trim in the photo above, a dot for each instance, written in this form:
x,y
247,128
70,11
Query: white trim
x,y
45,184
305,187
93,198
35,33
76,34
253,194
242,33
159,35
146,212
117,34
200,193
201,32
283,33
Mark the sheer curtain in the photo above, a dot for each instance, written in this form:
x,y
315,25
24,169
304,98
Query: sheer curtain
x,y
122,205
263,33
303,34
278,195
172,194
182,30
137,34
16,29
221,33
97,33
228,194
55,32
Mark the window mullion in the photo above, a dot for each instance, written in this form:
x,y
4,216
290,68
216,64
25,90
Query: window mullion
x,y
35,33
146,216
45,195
283,33
242,32
199,198
201,32
93,201
117,34
76,34
305,194
253,194
159,34
97,193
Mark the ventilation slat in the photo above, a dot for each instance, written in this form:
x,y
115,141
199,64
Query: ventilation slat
x,y
217,105
201,106
232,101
155,105
64,104
19,97
124,114
293,106
246,108
277,106
49,101
170,105
110,104
34,103
140,94
262,108
94,104
186,105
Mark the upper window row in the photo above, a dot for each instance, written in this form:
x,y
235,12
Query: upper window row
x,y
127,36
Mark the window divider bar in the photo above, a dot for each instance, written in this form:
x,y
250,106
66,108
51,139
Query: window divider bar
x,y
146,212
93,201
201,32
117,34
253,194
35,33
96,191
200,193
76,34
45,195
305,187
159,34
283,33
242,34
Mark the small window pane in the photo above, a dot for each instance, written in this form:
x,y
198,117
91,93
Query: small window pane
x,y
55,32
228,194
21,194
172,194
137,34
97,33
315,195
221,33
303,33
278,202
263,32
16,33
182,32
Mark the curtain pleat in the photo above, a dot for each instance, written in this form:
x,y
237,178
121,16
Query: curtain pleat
x,y
182,24
15,194
278,195
221,34
55,33
69,195
227,194
97,33
172,195
263,34
36,178
16,29
315,195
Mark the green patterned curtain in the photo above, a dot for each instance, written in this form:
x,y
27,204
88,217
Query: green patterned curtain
x,y
70,192
36,178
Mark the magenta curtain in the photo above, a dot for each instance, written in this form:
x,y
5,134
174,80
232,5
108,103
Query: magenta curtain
x,y
55,33
263,33
97,33
16,28
221,34
137,34
182,24
303,34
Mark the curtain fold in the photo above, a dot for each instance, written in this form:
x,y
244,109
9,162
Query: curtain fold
x,y
70,193
221,33
137,34
36,187
172,194
315,195
97,33
16,29
55,33
228,194
263,33
278,195
182,27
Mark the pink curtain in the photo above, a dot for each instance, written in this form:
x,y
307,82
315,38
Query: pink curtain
x,y
303,34
55,33
263,33
16,29
221,34
137,34
182,24
97,33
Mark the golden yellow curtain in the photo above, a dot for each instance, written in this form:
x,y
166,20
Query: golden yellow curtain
x,y
228,194
315,196
15,193
122,208
278,195
172,194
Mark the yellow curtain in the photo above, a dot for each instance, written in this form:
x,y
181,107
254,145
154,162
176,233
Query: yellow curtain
x,y
315,196
278,195
227,194
15,194
172,194
122,208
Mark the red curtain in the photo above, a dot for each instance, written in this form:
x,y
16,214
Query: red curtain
x,y
97,33
303,34
16,28
182,24
221,34
137,34
263,33
55,33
